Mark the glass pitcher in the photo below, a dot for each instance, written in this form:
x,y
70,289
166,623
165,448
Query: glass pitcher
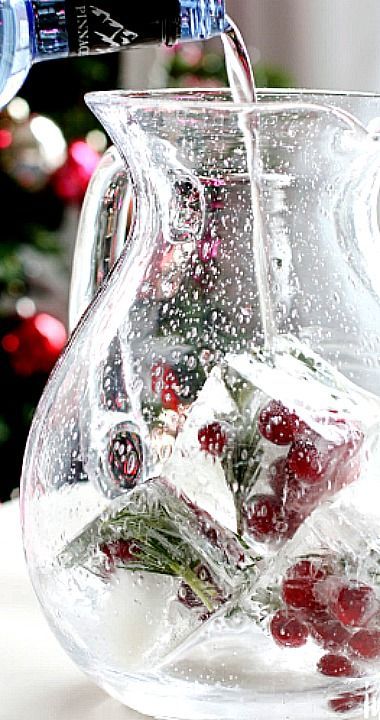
x,y
201,510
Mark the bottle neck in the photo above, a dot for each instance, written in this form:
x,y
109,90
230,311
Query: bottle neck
x,y
77,27
202,19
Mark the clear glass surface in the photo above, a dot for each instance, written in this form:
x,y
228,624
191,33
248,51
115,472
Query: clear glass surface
x,y
200,511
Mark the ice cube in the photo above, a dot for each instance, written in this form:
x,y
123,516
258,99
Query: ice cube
x,y
342,529
141,621
302,381
196,473
245,654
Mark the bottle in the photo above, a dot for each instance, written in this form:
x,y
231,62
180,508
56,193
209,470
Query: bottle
x,y
35,30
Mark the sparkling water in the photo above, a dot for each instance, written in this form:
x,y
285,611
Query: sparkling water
x,y
221,634
242,83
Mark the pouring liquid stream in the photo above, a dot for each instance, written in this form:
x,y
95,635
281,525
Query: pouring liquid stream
x,y
242,84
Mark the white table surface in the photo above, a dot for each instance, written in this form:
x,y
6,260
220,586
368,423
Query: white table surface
x,y
37,679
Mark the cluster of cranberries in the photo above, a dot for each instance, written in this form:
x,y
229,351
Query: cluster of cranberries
x,y
340,615
312,470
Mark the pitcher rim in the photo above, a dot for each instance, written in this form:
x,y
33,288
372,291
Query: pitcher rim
x,y
171,97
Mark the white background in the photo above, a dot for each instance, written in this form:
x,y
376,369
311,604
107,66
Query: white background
x,y
37,679
330,44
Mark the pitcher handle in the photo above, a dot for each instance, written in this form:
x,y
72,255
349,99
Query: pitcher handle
x,y
102,231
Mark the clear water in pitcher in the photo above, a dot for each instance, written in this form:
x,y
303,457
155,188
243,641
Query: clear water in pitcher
x,y
250,569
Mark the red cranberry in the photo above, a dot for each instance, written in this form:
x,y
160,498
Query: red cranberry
x,y
165,384
299,593
284,484
170,400
347,463
296,497
278,424
307,569
366,644
355,605
263,517
347,701
203,573
330,634
186,595
287,630
305,460
344,458
336,666
298,587
162,375
123,551
212,439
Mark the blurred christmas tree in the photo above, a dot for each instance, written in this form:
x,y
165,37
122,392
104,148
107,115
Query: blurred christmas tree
x,y
49,146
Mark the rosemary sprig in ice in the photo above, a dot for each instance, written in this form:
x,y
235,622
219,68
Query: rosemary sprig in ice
x,y
156,529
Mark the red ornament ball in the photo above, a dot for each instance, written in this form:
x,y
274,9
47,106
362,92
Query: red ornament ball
x,y
35,344
71,179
